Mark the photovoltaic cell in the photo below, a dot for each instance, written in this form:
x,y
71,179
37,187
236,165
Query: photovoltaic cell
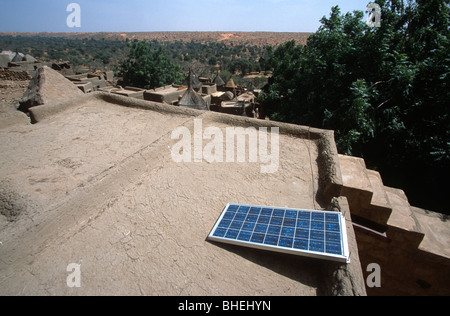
x,y
319,234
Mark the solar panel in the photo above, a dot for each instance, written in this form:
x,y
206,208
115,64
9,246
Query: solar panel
x,y
317,234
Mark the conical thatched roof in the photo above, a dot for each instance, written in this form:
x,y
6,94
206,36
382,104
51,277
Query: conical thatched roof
x,y
18,57
219,81
193,80
230,83
192,99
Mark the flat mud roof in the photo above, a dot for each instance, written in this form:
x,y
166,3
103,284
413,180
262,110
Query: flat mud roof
x,y
94,182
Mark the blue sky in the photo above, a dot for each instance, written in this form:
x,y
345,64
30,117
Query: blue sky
x,y
170,15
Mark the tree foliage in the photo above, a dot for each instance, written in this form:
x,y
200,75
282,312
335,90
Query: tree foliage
x,y
105,54
95,54
385,91
149,68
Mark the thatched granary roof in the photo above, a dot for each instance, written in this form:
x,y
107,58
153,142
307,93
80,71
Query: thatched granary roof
x,y
230,83
218,81
193,80
192,99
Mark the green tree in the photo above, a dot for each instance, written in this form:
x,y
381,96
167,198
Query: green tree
x,y
148,68
385,91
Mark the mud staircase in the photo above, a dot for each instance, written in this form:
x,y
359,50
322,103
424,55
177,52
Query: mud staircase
x,y
412,246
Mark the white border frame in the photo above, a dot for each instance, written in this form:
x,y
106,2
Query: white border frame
x,y
345,258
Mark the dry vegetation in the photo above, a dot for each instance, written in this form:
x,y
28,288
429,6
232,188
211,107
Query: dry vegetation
x,y
248,38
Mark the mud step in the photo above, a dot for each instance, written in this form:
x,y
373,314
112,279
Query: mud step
x,y
356,184
380,208
436,228
403,224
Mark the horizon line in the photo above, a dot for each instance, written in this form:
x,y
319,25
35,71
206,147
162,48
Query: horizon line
x,y
125,32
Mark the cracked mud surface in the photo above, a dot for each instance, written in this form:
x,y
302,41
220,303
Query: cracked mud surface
x,y
100,189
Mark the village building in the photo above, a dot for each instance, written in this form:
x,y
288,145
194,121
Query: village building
x,y
169,94
218,81
93,183
191,99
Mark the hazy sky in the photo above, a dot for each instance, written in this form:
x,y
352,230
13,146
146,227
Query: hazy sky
x,y
170,15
